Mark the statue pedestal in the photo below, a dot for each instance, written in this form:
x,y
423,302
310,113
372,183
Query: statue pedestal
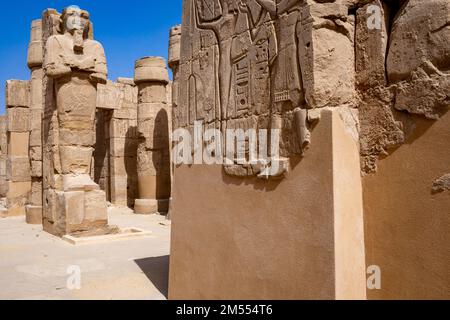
x,y
80,208
301,237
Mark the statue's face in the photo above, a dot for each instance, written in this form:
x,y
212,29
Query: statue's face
x,y
75,19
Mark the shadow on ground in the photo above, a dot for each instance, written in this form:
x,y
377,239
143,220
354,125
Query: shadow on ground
x,y
157,271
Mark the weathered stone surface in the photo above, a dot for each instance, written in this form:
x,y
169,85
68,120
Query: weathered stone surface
x,y
380,131
34,215
18,169
18,144
35,54
126,81
123,128
151,69
18,119
36,190
425,95
327,59
95,206
17,93
17,197
109,96
442,184
371,46
174,46
420,34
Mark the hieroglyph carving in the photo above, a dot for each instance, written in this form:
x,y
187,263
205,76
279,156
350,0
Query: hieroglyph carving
x,y
240,68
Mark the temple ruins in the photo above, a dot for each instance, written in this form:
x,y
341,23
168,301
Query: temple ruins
x,y
313,137
71,137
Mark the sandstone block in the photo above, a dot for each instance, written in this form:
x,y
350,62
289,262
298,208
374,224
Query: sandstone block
x,y
18,119
35,153
371,47
18,169
35,56
36,169
327,60
174,45
18,144
109,96
36,191
122,128
151,69
78,156
35,138
126,81
36,83
95,206
33,215
35,119
17,93
74,206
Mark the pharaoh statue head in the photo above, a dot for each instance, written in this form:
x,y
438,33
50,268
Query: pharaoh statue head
x,y
77,23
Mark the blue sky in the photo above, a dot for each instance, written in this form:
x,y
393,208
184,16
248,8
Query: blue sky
x,y
128,30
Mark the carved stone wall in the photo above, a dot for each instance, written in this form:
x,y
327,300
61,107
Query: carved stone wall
x,y
265,65
381,68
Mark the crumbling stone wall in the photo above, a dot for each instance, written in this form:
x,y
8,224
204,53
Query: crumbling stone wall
x,y
401,71
18,129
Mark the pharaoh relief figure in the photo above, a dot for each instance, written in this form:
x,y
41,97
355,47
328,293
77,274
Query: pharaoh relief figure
x,y
77,64
258,71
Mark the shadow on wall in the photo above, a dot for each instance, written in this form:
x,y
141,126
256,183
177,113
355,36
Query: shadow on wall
x,y
131,146
157,271
161,157
101,151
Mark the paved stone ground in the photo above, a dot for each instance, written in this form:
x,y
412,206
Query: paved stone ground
x,y
34,264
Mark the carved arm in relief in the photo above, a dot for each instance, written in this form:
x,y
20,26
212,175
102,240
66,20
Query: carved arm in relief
x,y
61,61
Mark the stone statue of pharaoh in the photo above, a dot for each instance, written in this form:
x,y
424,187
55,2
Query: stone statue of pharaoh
x,y
77,64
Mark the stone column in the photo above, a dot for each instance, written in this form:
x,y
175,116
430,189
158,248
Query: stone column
x,y
35,58
18,164
174,63
153,163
